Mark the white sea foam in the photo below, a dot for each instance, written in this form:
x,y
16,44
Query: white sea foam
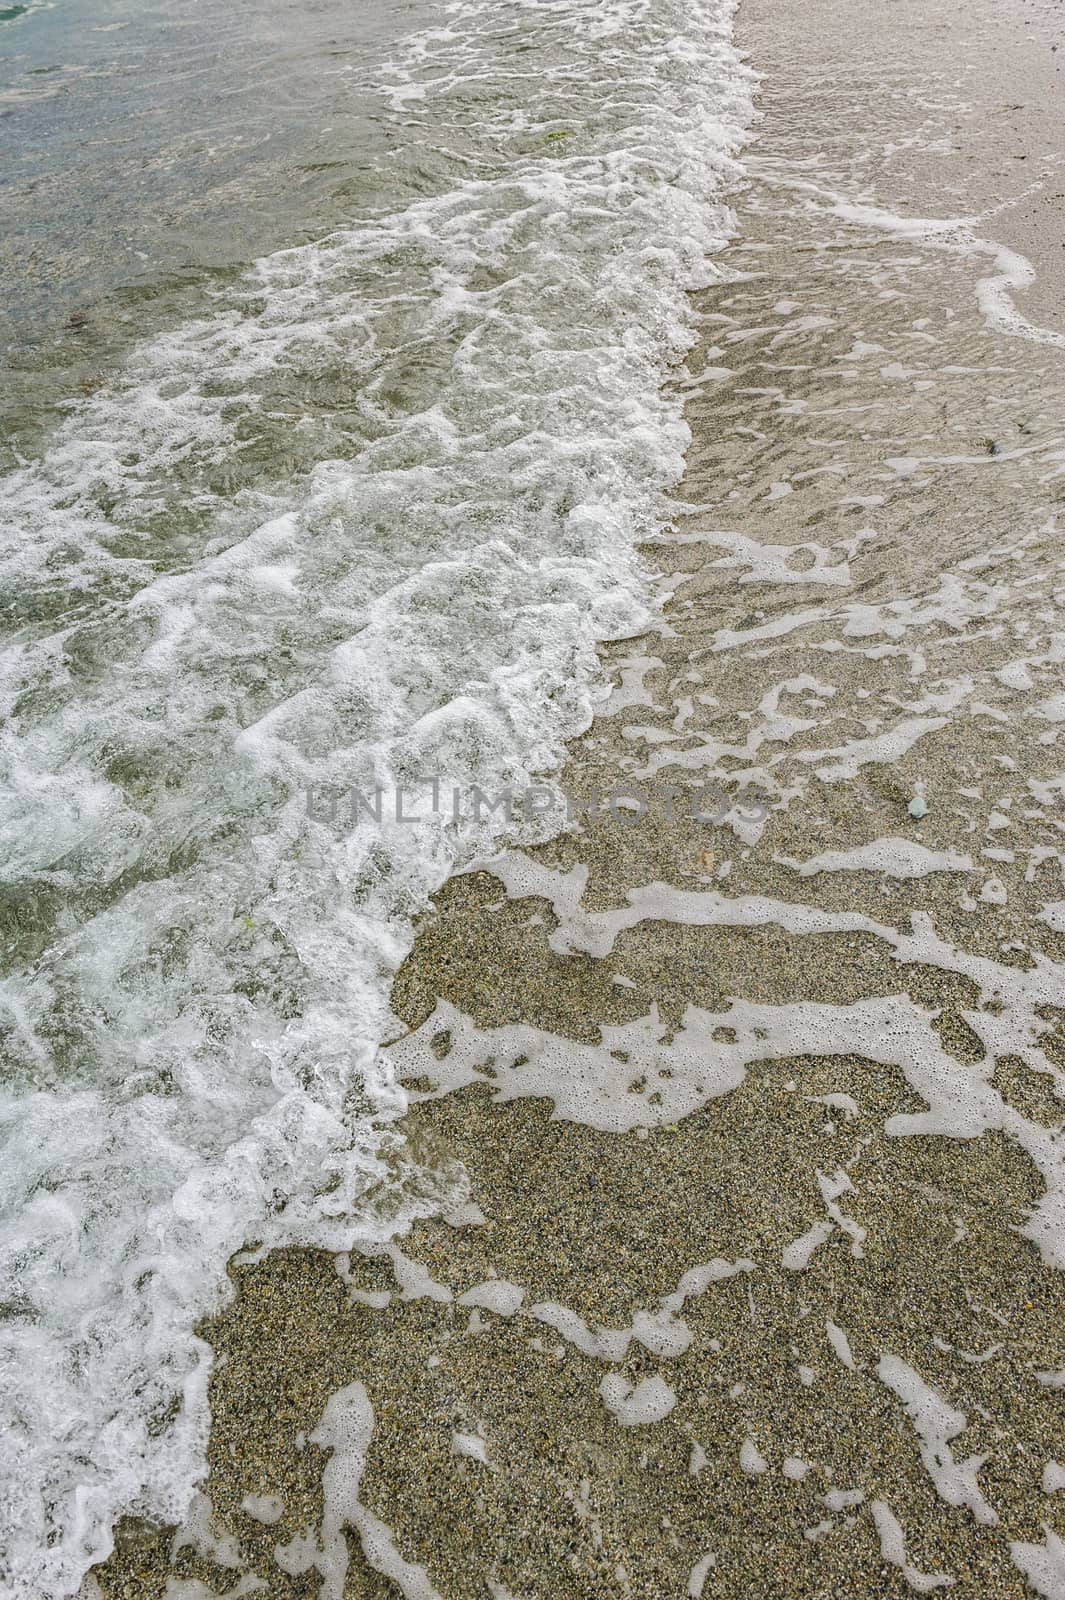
x,y
634,1078
936,1423
896,857
893,1549
464,401
994,294
1042,1564
649,1401
345,1430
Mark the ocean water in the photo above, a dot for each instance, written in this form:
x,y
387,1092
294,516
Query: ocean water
x,y
338,351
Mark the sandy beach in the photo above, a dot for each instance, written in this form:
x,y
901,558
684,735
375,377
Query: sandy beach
x,y
740,1140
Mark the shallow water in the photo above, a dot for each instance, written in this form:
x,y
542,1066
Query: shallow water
x,y
356,513
758,1288
149,152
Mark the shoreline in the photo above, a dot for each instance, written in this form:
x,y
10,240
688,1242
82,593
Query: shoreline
x,y
779,1333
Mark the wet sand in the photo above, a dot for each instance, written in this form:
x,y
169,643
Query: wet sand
x,y
787,1326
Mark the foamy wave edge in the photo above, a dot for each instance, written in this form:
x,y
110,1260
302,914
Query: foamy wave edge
x,y
212,1115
